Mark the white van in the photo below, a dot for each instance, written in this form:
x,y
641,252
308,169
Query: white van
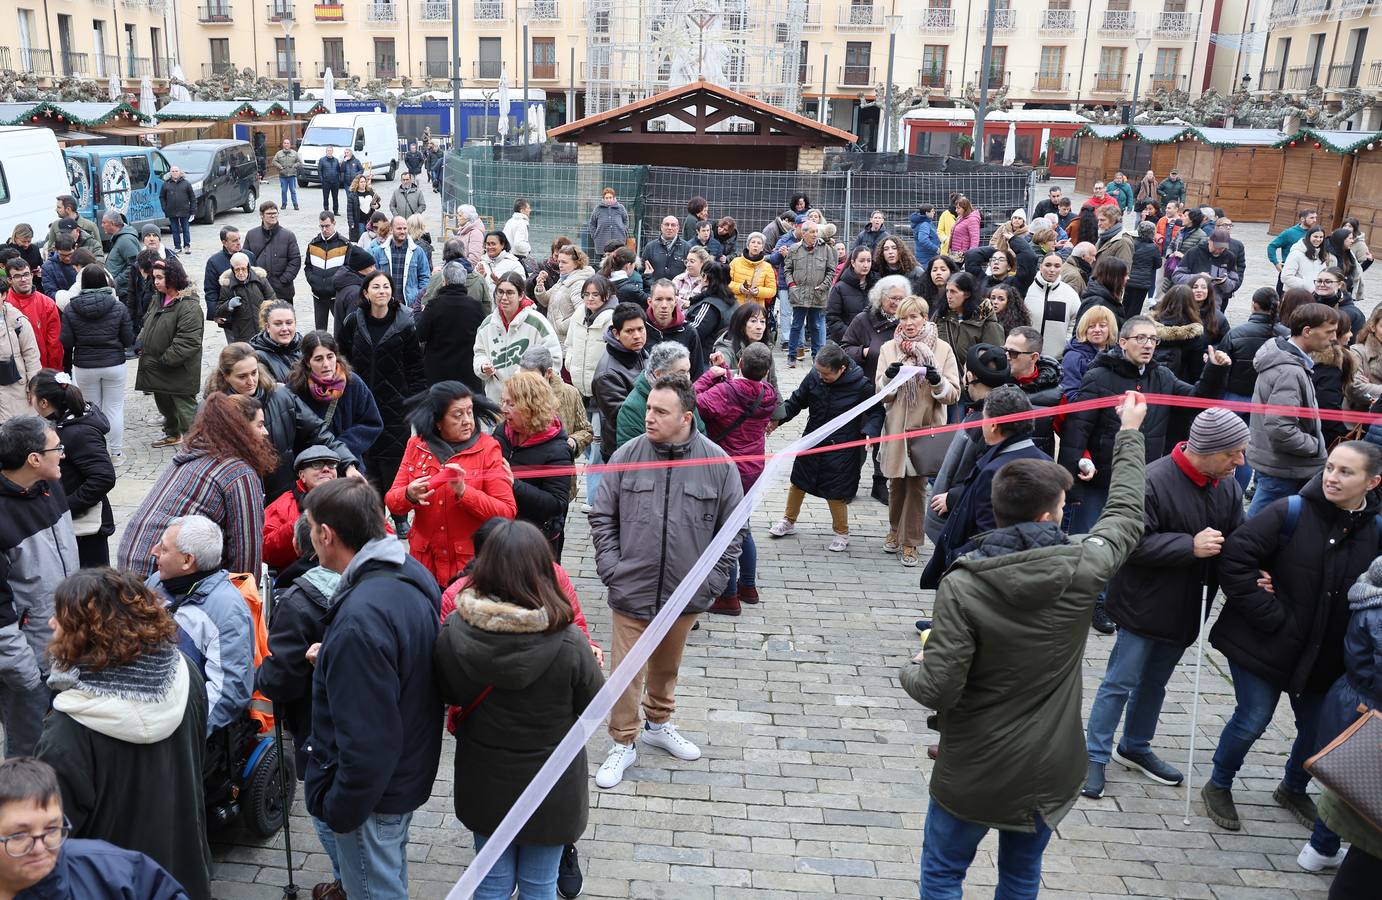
x,y
32,176
373,136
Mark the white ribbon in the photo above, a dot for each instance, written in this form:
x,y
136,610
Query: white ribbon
x,y
599,708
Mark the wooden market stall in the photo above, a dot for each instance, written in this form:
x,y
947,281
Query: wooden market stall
x,y
1336,173
1235,169
78,122
236,119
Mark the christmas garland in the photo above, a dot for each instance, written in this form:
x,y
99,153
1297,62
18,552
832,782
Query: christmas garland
x,y
1112,133
63,113
1340,142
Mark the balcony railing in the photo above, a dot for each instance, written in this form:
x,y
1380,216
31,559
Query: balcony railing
x,y
806,75
933,78
1353,9
1111,82
1283,12
329,13
279,69
73,63
339,68
545,11
1344,75
138,66
1060,21
1298,78
489,10
544,71
1309,11
860,16
1272,80
1003,20
1165,81
132,4
857,75
5,58
1375,74
933,19
107,64
381,13
222,67
163,66
39,62
1118,21
488,69
997,78
214,13
431,11
434,69
384,70
812,20
278,11
1051,82
1177,24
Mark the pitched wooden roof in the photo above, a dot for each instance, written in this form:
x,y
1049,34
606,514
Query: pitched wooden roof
x,y
701,105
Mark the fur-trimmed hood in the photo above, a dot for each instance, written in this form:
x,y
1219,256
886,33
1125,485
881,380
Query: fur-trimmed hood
x,y
1186,332
228,279
498,616
499,643
1338,358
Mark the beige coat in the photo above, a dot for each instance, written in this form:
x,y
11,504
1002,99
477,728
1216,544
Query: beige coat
x,y
1366,386
20,344
562,298
902,416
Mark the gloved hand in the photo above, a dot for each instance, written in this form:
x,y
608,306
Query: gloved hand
x,y
892,370
933,376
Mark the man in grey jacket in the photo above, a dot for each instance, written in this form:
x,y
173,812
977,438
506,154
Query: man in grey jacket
x,y
809,268
650,525
38,549
124,247
1285,450
407,199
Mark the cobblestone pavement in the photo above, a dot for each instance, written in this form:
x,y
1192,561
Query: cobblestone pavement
x,y
813,779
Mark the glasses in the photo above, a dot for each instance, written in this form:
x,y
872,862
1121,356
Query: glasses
x,y
1014,354
57,449
1325,281
20,845
320,465
1144,339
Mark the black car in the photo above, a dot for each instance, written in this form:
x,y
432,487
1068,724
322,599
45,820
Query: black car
x,y
222,172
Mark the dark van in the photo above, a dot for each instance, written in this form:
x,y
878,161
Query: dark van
x,y
222,172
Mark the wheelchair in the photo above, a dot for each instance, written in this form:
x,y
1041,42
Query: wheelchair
x,y
241,778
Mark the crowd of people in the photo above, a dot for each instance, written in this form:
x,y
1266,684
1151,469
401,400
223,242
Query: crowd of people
x,y
406,470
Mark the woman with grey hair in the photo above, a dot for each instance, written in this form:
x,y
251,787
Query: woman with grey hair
x,y
471,232
446,328
667,358
244,291
609,222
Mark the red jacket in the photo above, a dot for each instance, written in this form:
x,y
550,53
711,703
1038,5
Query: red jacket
x,y
43,315
280,518
721,401
440,538
965,235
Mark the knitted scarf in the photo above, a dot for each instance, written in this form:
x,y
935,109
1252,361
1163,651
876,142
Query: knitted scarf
x,y
147,679
917,351
324,390
1366,592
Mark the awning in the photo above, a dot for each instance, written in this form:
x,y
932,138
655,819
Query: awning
x,y
160,128
75,137
178,124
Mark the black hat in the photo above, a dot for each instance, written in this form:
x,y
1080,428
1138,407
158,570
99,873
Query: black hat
x,y
358,259
989,364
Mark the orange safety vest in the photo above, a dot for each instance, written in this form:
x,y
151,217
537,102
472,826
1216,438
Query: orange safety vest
x,y
261,708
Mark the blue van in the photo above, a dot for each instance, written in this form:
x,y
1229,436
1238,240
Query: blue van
x,y
120,177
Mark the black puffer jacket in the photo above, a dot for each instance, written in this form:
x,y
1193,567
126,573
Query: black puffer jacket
x,y
1095,294
1044,390
293,428
847,299
278,358
392,370
446,328
178,199
976,263
1146,264
1109,375
87,472
349,295
542,501
1294,638
1181,349
96,329
1242,343
833,475
276,251
242,322
1157,592
870,330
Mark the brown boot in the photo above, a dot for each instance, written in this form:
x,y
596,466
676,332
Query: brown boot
x,y
726,605
329,890
748,594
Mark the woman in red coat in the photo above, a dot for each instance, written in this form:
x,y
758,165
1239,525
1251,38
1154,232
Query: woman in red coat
x,y
477,485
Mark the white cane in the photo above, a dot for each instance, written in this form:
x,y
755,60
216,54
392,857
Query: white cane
x,y
1195,703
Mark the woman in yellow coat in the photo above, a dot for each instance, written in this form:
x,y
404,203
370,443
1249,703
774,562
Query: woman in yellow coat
x,y
945,223
919,403
751,277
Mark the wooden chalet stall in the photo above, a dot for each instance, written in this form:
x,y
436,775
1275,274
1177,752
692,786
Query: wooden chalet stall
x,y
1235,169
76,123
1336,173
188,120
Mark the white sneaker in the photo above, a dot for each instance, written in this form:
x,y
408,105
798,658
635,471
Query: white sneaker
x,y
839,542
782,528
668,738
585,508
611,772
1312,860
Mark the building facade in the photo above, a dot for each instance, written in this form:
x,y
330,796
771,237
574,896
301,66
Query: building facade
x,y
1335,44
131,39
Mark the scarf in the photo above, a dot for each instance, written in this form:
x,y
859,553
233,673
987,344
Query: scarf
x,y
147,679
324,390
1366,592
752,258
527,440
917,351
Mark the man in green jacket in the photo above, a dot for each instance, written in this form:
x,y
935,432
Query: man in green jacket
x,y
1282,243
1002,667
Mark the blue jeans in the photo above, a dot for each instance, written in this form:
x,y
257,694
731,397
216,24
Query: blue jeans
x,y
812,318
1257,700
371,862
532,868
1243,474
594,457
784,315
287,184
745,571
1081,515
949,846
182,231
1138,669
1271,488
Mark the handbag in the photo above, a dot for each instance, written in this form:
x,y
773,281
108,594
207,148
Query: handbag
x,y
1351,767
88,523
927,452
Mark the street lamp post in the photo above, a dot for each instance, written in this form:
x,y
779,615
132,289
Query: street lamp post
x,y
985,60
821,114
525,15
285,20
892,23
1143,41
456,74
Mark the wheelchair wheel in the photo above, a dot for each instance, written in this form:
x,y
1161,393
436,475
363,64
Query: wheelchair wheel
x,y
262,806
